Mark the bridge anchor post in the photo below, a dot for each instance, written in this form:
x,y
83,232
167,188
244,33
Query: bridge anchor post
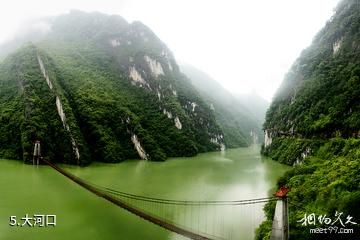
x,y
37,153
280,226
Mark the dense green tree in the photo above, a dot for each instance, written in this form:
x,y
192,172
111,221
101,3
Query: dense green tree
x,y
117,85
313,123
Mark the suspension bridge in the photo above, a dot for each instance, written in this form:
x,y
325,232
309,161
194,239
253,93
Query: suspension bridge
x,y
202,220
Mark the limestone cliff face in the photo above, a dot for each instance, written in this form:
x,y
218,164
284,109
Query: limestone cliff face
x,y
98,88
60,109
314,122
240,126
319,97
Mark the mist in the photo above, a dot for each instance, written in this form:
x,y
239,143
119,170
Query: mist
x,y
247,46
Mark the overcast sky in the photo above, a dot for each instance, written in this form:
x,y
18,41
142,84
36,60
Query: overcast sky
x,y
245,45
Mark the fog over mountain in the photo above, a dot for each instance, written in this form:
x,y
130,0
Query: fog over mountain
x,y
98,87
241,115
223,38
313,124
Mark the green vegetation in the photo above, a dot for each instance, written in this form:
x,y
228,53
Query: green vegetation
x,y
291,150
314,123
89,65
237,117
319,96
326,182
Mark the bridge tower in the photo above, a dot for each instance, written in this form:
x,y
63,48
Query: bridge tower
x,y
280,226
37,153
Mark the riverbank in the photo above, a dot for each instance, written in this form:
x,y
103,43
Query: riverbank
x,y
231,175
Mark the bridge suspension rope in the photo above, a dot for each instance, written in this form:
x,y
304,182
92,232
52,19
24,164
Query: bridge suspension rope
x,y
188,218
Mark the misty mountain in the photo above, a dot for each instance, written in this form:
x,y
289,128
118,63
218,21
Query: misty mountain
x,y
313,124
256,104
95,87
232,113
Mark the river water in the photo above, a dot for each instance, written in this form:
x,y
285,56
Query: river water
x,y
235,174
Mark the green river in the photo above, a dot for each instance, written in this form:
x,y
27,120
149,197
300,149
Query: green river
x,y
231,175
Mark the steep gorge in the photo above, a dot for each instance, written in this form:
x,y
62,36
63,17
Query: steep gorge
x,y
313,124
100,90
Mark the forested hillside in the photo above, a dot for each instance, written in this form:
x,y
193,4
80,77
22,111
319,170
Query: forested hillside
x,y
96,87
313,123
238,118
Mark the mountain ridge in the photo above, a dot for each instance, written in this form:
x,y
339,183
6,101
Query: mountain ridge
x,y
235,118
313,124
117,91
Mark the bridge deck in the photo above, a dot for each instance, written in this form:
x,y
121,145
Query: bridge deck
x,y
117,202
